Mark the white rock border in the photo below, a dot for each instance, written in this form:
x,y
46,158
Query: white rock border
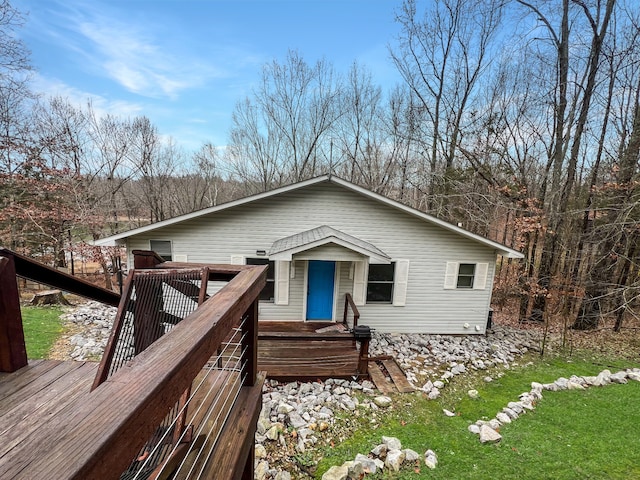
x,y
487,430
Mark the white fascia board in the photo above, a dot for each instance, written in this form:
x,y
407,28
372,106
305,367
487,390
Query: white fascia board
x,y
241,201
500,249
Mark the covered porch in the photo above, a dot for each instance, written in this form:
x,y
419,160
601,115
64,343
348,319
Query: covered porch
x,y
311,272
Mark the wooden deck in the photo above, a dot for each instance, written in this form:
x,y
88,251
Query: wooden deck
x,y
291,351
39,391
53,425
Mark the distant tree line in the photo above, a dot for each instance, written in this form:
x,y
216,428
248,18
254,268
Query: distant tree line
x,y
518,119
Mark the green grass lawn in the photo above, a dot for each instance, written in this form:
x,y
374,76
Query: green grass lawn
x,y
570,435
42,326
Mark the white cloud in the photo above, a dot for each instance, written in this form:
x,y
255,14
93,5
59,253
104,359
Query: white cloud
x,y
134,56
51,87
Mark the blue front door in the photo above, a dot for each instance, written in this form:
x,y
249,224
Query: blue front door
x,y
320,281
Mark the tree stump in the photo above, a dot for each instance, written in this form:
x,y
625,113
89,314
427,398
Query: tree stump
x,y
49,297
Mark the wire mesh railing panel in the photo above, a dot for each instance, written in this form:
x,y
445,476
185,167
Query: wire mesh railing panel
x,y
156,302
206,409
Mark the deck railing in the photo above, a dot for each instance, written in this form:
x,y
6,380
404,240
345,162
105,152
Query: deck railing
x,y
351,313
100,432
13,355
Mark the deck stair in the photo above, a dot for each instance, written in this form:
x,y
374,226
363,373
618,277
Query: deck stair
x,y
290,351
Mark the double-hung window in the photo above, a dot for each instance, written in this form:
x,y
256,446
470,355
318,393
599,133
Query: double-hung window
x,y
380,283
268,292
466,273
162,248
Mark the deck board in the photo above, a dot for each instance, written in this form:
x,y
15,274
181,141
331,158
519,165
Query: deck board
x,y
38,391
381,382
397,376
11,382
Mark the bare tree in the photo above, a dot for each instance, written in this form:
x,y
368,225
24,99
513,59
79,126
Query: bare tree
x,y
441,56
359,142
110,163
276,135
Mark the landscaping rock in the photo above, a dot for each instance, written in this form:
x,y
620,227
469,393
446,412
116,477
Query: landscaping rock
x,y
380,451
394,459
336,473
392,443
382,401
430,459
489,435
473,428
368,464
410,455
260,451
619,377
503,417
261,469
355,470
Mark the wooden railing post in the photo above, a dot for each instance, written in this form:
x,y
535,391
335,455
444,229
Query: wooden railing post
x,y
249,467
250,345
363,357
13,351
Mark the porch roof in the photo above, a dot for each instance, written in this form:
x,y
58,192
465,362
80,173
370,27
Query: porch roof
x,y
285,248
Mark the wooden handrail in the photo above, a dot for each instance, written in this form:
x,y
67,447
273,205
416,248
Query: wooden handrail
x,y
101,431
349,303
40,273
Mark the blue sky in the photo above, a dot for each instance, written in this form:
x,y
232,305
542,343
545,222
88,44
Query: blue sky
x,y
185,64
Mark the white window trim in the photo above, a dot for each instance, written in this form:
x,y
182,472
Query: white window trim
x,y
393,287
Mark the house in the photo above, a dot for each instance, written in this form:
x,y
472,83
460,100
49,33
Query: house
x,y
325,237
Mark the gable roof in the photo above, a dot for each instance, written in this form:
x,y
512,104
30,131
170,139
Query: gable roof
x,y
285,248
501,249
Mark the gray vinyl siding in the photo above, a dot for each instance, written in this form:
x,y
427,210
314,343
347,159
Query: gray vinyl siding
x,y
429,308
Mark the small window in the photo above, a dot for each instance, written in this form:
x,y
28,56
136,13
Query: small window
x,y
162,248
380,283
267,292
466,273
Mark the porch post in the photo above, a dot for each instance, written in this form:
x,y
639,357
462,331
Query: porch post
x,y
13,350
